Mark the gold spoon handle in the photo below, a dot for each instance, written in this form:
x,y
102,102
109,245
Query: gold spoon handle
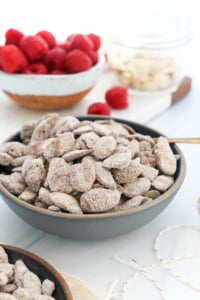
x,y
190,140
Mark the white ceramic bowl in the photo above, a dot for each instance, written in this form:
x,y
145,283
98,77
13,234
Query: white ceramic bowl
x,y
50,91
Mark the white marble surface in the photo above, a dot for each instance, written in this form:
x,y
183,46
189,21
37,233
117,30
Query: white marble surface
x,y
93,261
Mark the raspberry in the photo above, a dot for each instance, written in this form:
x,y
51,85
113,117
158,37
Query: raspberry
x,y
65,45
54,59
82,42
48,37
35,68
12,59
33,46
117,97
57,72
77,61
13,36
96,40
93,56
99,108
0,59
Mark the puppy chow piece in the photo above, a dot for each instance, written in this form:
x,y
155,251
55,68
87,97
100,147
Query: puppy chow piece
x,y
5,296
54,208
14,149
27,130
55,147
8,288
89,139
48,287
34,173
129,173
143,137
35,148
22,294
3,256
82,129
32,282
162,182
117,161
66,202
43,129
117,129
82,176
58,176
153,194
66,143
50,148
149,172
75,154
28,195
7,269
104,176
166,161
145,146
5,159
44,196
19,270
42,297
104,147
101,129
14,183
122,141
137,187
65,124
39,203
121,149
99,200
147,158
18,161
133,147
131,203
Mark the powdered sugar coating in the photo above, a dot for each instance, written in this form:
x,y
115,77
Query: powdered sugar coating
x,y
63,156
99,200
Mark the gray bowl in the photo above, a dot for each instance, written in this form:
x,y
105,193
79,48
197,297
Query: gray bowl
x,y
41,268
104,225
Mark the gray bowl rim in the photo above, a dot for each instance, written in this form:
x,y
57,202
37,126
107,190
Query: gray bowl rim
x,y
107,215
45,264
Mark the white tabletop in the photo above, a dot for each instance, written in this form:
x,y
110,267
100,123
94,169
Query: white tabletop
x,y
96,262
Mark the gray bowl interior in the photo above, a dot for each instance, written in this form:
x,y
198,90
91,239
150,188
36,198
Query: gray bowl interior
x,y
98,226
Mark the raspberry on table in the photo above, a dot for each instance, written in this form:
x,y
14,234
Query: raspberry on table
x,y
35,68
13,36
12,59
48,37
99,108
77,61
54,59
33,46
117,97
96,40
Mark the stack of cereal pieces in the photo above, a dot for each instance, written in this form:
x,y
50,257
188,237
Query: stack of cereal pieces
x,y
70,166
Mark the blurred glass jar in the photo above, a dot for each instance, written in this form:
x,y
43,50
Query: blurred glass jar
x,y
151,55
